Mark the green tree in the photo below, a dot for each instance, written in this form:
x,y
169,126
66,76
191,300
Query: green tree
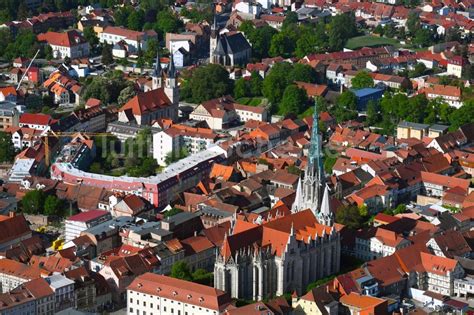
x,y
24,45
121,15
96,168
33,201
291,20
203,276
241,88
7,150
91,36
53,206
362,80
151,51
345,108
255,84
173,156
260,38
418,71
281,45
389,31
373,113
341,28
207,82
293,169
348,100
135,20
463,115
379,30
107,57
304,73
413,22
48,52
167,22
423,38
172,212
293,101
350,216
180,270
126,94
276,82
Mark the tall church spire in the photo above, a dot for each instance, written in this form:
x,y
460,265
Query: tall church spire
x,y
171,69
325,215
157,73
309,192
157,70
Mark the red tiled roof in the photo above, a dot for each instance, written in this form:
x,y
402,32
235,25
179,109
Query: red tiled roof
x,y
444,90
35,119
7,90
13,228
445,181
147,102
66,39
87,216
436,264
120,31
19,270
181,290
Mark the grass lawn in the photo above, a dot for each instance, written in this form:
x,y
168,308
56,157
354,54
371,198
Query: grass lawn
x,y
251,101
369,40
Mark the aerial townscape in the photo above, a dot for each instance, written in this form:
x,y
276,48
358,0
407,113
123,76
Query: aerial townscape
x,y
218,157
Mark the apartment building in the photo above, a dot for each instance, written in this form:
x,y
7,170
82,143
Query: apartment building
x,y
377,243
63,288
406,129
13,274
80,222
447,93
157,294
178,137
127,41
9,115
69,44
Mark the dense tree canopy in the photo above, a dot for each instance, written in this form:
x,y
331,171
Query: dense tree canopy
x,y
7,151
362,80
260,38
206,83
294,100
350,216
106,88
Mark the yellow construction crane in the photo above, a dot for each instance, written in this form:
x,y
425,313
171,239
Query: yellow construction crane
x,y
64,135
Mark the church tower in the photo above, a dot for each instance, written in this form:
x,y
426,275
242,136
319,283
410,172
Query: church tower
x,y
309,194
213,40
325,215
171,84
157,74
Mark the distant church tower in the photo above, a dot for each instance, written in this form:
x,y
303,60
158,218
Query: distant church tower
x,y
312,192
213,40
171,84
157,74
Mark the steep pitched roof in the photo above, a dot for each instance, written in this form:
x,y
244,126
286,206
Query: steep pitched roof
x,y
67,39
147,102
181,290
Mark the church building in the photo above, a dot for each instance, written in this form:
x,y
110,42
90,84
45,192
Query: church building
x,y
228,48
159,101
258,260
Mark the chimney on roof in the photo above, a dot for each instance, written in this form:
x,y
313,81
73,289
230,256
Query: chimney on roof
x,y
11,214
